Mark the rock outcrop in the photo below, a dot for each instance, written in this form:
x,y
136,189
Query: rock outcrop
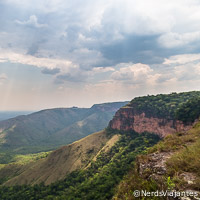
x,y
127,118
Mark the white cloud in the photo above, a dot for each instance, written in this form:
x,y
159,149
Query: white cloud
x,y
182,59
87,58
33,21
187,72
134,72
97,70
2,61
197,68
42,6
50,63
183,68
127,16
171,40
65,70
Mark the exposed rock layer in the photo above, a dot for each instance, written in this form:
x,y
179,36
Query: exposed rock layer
x,y
127,119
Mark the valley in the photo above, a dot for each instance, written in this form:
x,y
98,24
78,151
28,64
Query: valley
x,y
49,129
151,143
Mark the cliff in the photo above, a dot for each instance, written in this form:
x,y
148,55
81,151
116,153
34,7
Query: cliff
x,y
161,114
127,118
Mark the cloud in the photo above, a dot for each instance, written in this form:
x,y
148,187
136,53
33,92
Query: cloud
x,y
33,49
134,48
163,77
2,60
97,70
50,63
106,32
185,67
42,6
117,48
50,71
33,21
187,72
176,69
89,58
182,59
70,78
136,73
64,69
171,40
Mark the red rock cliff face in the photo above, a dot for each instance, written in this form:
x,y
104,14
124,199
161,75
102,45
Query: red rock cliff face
x,y
126,119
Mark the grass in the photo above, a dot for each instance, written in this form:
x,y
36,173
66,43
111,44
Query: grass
x,y
17,163
185,159
21,159
133,182
186,149
24,159
177,141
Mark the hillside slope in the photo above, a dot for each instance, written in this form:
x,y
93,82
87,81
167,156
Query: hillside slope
x,y
96,172
48,129
4,115
95,177
62,161
172,164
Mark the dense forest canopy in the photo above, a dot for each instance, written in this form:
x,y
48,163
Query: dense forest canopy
x,y
189,111
168,105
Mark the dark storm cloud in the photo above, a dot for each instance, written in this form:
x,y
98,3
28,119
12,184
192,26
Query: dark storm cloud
x,y
134,49
139,49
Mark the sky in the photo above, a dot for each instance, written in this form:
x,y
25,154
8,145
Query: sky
x,y
64,53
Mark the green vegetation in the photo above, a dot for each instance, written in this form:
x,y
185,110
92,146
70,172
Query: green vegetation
x,y
185,150
164,105
21,158
98,180
187,160
49,129
117,172
18,163
24,159
170,184
133,181
189,111
10,114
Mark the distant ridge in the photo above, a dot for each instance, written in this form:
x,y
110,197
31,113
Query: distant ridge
x,y
48,129
4,115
